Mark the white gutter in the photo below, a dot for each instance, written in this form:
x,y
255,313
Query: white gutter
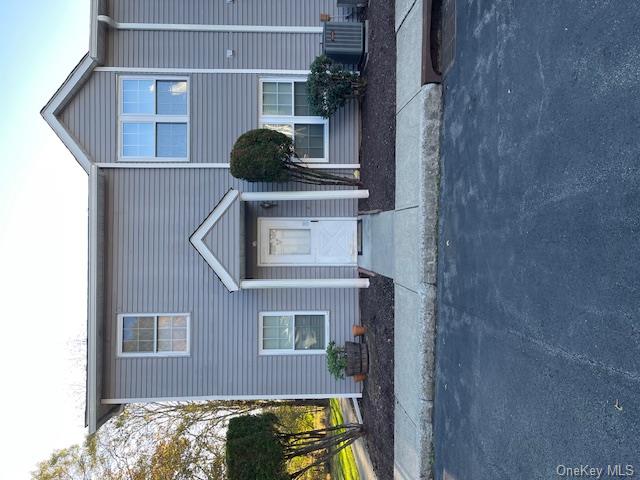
x,y
92,307
303,195
315,166
186,71
194,27
208,398
305,283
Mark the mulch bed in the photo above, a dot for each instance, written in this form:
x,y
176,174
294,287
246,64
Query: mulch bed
x,y
378,174
378,135
376,313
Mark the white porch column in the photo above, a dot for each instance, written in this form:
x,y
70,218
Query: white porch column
x,y
305,283
303,195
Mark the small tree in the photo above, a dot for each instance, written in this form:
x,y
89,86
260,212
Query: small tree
x,y
336,360
258,448
264,155
160,441
330,85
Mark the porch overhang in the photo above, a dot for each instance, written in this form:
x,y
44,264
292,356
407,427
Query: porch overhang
x,y
227,265
228,274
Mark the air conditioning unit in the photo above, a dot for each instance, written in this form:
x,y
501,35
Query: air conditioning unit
x,y
343,41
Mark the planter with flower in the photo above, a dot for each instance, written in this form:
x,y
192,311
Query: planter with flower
x,y
351,360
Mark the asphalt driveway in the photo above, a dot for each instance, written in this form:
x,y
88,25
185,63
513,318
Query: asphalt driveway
x,y
538,347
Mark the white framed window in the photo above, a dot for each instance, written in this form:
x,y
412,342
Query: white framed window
x,y
284,107
153,119
153,334
293,333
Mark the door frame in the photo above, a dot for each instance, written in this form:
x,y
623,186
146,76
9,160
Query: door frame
x,y
260,241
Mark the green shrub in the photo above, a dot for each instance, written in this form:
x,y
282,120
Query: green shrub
x,y
261,155
253,450
264,155
330,85
336,360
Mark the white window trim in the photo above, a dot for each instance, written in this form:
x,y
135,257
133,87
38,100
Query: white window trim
x,y
293,351
293,119
153,118
154,354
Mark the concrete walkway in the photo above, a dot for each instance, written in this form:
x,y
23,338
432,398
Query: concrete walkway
x,y
410,232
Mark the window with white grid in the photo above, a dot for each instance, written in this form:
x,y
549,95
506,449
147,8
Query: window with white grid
x,y
153,334
284,107
286,333
153,119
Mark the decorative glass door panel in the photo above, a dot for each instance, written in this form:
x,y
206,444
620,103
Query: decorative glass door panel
x,y
302,241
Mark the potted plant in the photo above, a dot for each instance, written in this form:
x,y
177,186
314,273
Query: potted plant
x,y
358,330
336,360
330,85
352,360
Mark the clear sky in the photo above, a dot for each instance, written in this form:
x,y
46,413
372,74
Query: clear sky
x,y
43,238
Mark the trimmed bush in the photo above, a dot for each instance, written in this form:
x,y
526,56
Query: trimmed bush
x,y
264,155
330,85
253,450
261,155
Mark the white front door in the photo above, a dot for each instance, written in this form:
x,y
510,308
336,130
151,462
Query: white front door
x,y
307,241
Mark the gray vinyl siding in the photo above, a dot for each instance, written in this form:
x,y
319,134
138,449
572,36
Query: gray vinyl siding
x,y
98,30
184,49
152,267
91,117
103,411
240,12
172,49
223,106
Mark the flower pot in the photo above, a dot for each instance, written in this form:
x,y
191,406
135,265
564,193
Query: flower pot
x,y
358,330
357,358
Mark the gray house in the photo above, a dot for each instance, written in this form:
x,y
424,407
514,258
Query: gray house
x,y
202,286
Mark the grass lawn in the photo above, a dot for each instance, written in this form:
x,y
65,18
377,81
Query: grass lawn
x,y
343,465
302,419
